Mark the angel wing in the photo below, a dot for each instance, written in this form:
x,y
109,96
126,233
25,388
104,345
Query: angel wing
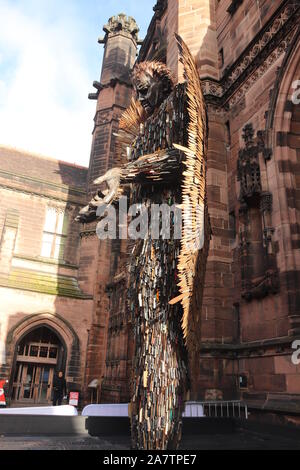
x,y
129,127
196,228
132,117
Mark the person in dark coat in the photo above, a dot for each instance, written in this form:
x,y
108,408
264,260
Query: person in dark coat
x,y
59,388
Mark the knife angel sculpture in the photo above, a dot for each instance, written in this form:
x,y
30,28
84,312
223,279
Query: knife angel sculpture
x,y
162,138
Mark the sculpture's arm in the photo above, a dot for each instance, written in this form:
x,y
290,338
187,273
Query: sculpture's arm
x,y
161,166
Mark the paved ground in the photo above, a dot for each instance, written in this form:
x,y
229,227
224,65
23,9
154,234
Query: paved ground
x,y
62,443
241,440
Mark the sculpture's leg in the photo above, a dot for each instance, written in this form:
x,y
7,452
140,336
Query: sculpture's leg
x,y
159,389
160,357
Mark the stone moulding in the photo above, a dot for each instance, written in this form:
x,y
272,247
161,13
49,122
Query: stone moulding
x,y
59,323
246,349
274,95
41,259
265,63
41,195
88,233
68,195
259,55
262,51
62,187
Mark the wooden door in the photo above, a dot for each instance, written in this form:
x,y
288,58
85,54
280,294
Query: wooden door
x,y
27,383
45,384
34,383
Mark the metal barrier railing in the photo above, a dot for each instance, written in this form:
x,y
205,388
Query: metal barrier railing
x,y
216,409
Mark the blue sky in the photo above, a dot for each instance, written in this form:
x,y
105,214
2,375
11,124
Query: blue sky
x,y
49,58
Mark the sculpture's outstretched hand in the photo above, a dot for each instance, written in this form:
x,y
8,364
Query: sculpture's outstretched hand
x,y
112,179
101,198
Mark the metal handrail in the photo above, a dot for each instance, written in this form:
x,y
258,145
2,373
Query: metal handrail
x,y
219,409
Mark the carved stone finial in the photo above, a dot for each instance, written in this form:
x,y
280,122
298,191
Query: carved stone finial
x,y
160,8
124,23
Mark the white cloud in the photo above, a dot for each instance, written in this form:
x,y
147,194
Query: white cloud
x,y
44,84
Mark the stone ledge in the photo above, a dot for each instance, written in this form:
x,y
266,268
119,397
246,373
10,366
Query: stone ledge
x,y
40,259
231,347
62,187
35,281
287,404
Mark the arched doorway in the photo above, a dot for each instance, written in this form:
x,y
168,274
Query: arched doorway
x,y
38,354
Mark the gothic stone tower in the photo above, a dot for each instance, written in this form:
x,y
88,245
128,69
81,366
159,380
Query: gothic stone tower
x,y
113,97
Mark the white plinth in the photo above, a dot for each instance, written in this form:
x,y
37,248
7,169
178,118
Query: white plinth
x,y
65,410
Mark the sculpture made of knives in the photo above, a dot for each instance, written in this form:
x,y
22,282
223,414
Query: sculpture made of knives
x,y
163,138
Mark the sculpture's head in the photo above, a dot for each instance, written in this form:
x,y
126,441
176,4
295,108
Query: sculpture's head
x,y
153,83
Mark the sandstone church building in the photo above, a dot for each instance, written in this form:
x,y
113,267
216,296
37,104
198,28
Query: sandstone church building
x,y
63,290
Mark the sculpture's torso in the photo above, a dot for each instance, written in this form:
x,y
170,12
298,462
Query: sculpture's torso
x,y
167,126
